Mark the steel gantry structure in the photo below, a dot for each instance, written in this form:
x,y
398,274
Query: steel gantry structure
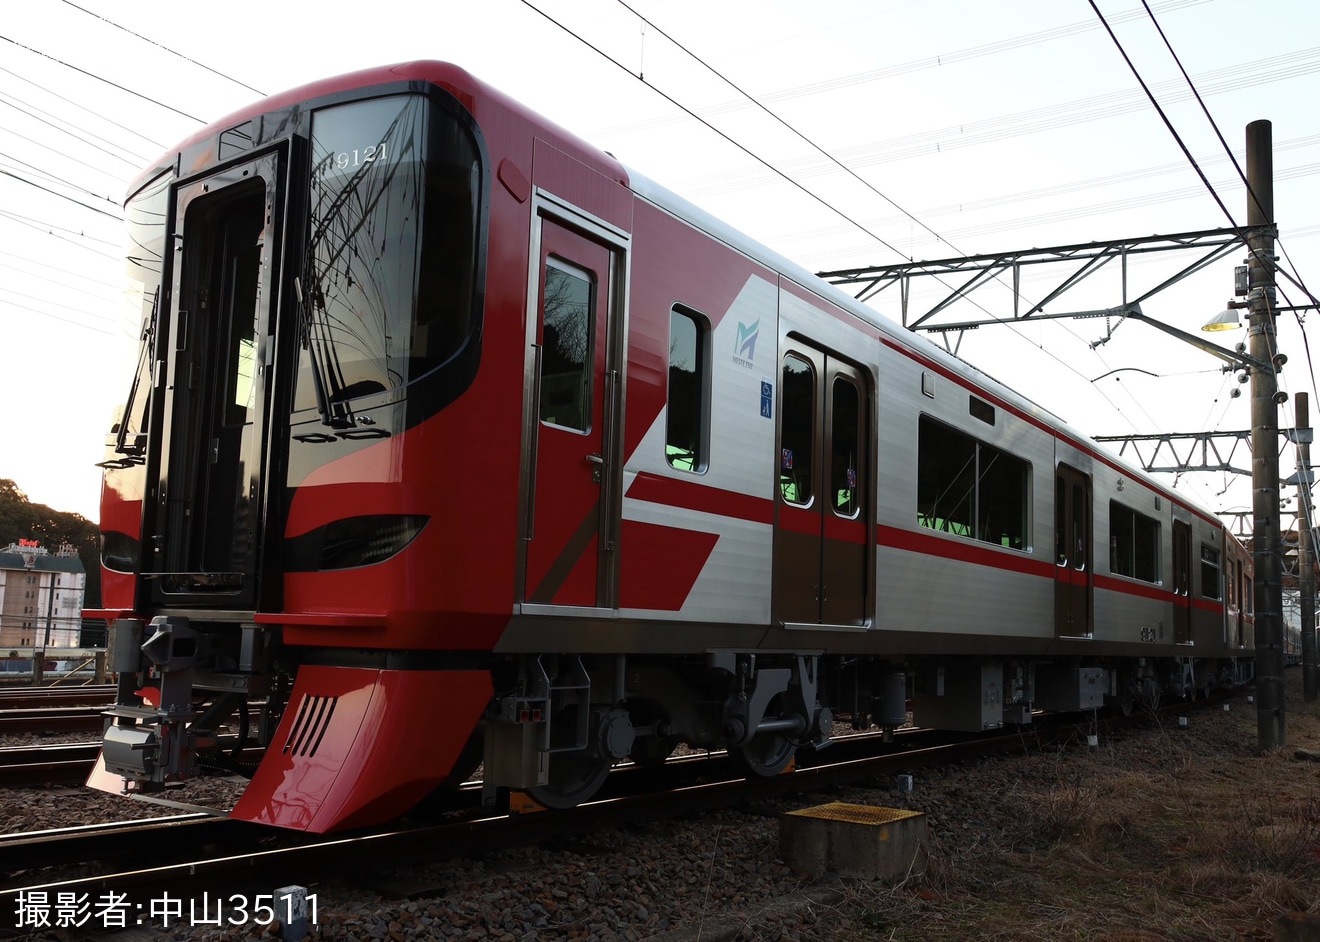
x,y
963,276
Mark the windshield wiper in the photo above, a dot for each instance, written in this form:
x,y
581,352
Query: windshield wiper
x,y
135,450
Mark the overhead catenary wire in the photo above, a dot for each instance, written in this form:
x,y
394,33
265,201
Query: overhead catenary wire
x,y
100,78
136,132
789,179
1271,336
146,39
1251,195
86,138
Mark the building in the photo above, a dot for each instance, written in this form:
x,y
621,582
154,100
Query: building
x,y
41,597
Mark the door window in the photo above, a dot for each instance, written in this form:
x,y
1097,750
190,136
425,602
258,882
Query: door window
x,y
845,449
568,327
797,431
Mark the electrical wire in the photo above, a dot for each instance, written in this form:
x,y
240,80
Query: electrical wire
x,y
789,179
172,52
103,80
45,117
72,103
1263,211
46,189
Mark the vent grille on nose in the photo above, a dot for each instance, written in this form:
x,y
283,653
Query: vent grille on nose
x,y
309,728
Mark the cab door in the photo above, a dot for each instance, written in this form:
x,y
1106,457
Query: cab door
x,y
207,522
569,547
822,543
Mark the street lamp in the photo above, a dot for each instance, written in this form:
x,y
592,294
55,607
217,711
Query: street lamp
x,y
1225,320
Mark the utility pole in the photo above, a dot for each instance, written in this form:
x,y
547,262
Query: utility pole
x,y
1305,546
1267,589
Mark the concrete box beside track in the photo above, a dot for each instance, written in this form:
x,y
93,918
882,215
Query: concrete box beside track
x,y
852,841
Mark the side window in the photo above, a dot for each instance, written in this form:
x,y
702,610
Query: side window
x,y
566,346
797,428
1080,504
1134,541
1209,571
970,488
845,448
686,429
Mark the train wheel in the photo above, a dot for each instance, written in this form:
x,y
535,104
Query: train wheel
x,y
573,777
1127,702
1152,695
766,755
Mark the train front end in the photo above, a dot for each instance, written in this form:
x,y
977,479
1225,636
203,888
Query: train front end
x,y
292,575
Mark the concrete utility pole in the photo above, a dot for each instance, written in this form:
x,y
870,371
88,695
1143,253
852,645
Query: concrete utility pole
x,y
1305,546
1271,729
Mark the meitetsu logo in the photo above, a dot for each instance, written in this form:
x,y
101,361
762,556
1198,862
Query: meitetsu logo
x,y
744,345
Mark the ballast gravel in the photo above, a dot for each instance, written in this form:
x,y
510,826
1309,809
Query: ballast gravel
x,y
710,877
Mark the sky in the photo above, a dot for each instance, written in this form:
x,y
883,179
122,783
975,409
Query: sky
x,y
840,133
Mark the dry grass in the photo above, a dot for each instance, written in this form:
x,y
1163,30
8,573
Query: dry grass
x,y
1166,836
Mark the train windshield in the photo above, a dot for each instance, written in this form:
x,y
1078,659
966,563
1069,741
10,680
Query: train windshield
x,y
388,291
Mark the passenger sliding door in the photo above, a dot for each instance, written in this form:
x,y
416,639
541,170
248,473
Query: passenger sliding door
x,y
1182,582
206,529
1074,576
822,544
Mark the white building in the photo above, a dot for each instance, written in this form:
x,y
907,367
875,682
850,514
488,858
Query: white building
x,y
41,597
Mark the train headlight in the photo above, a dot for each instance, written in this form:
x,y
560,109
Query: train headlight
x,y
353,542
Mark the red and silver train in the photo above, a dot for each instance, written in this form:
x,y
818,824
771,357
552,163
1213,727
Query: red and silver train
x,y
453,440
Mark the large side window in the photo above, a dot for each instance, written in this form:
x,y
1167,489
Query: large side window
x,y
970,488
686,429
1209,571
1134,543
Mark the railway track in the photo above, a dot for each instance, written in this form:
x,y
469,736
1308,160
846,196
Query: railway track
x,y
694,784
53,710
242,858
91,695
50,764
315,858
51,719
